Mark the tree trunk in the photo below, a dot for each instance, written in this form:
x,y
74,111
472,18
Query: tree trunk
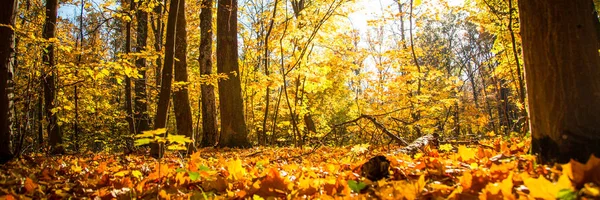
x,y
128,96
160,120
233,126
6,50
560,46
54,134
209,106
181,99
158,33
141,105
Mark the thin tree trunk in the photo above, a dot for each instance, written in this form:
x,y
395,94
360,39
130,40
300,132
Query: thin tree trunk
x,y
141,105
181,99
158,34
160,120
128,96
233,126
54,134
6,50
208,99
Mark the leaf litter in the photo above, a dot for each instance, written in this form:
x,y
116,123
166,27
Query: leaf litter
x,y
492,169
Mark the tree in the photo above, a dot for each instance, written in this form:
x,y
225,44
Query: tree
x,y
181,99
54,134
233,125
141,105
128,100
160,119
6,50
208,100
560,47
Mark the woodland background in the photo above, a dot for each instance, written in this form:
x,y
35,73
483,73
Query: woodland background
x,y
419,67
319,100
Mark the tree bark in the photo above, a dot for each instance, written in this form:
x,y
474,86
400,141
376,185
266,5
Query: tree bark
x,y
160,120
181,99
560,46
233,126
141,105
128,96
54,134
6,51
209,106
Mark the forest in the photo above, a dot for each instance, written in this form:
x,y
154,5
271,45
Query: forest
x,y
299,99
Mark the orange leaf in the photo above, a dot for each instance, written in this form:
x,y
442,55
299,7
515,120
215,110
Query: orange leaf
x,y
163,194
580,173
30,185
8,197
466,180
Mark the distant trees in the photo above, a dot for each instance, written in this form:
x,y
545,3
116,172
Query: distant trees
x,y
233,125
560,47
7,19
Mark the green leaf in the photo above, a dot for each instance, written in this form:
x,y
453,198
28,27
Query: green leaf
x,y
179,139
142,141
203,168
194,176
567,194
356,186
179,170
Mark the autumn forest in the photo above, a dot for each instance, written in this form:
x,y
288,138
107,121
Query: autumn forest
x,y
295,99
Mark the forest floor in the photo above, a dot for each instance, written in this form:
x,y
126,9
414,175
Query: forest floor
x,y
497,168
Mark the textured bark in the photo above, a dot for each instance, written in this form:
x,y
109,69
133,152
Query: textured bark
x,y
141,106
209,104
160,120
158,28
181,99
54,134
6,50
128,96
233,126
560,46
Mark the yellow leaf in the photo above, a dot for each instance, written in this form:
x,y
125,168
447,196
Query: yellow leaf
x,y
136,174
236,170
466,153
121,173
76,168
446,147
542,188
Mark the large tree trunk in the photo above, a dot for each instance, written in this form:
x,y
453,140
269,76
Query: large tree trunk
x,y
141,105
562,67
181,99
209,106
233,126
160,120
6,50
54,134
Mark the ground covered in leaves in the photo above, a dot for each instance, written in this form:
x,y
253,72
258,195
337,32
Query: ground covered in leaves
x,y
490,169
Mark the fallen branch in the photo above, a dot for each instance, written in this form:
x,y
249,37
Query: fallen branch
x,y
398,140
